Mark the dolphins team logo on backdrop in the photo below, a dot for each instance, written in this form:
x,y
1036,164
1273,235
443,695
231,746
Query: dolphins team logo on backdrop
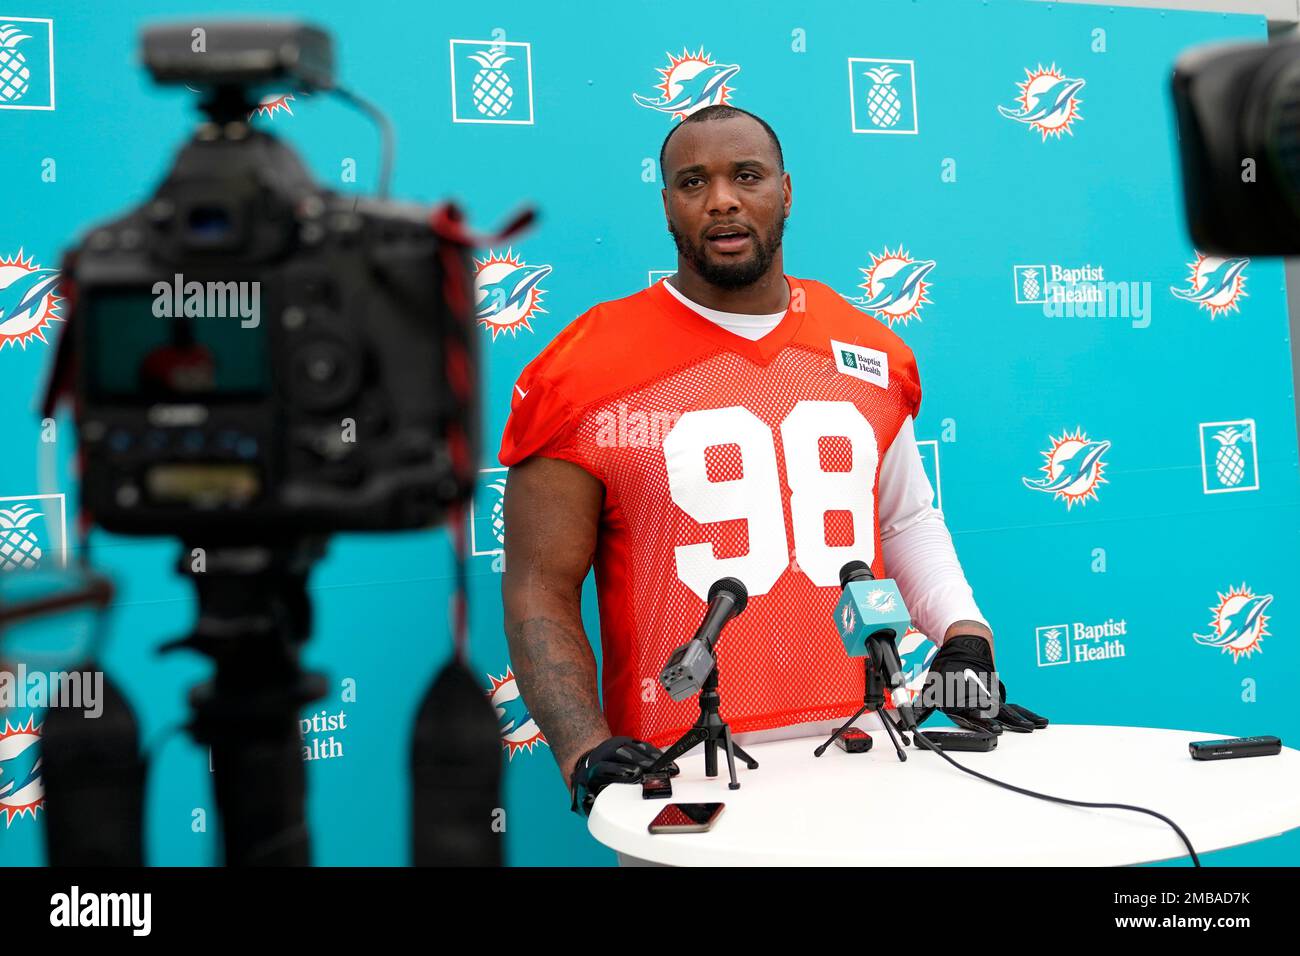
x,y
916,653
1048,101
1237,623
492,82
26,63
894,286
507,293
1229,456
1074,468
1215,284
21,789
518,729
690,82
28,302
882,95
268,106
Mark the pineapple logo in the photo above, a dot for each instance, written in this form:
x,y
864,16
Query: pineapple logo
x,y
22,792
895,286
518,729
882,95
1031,284
491,82
689,83
28,303
26,63
1048,102
1053,644
1237,623
487,522
1229,457
1215,284
507,293
1074,469
19,549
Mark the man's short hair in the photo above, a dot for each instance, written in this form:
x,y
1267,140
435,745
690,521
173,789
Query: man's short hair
x,y
722,112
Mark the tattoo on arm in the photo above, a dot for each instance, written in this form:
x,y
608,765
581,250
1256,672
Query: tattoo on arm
x,y
556,674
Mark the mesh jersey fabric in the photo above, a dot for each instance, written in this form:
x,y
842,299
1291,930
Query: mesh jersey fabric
x,y
721,457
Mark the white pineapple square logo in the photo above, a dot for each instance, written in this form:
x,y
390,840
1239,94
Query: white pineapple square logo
x,y
492,82
882,95
26,63
1229,456
929,450
33,532
487,519
1053,644
1031,284
656,274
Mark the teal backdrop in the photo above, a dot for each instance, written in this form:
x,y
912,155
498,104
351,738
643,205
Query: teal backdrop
x,y
889,113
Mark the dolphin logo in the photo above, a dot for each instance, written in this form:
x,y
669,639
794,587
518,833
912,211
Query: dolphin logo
x,y
1050,106
1242,623
510,291
695,92
19,771
26,292
899,287
511,715
1222,279
1076,468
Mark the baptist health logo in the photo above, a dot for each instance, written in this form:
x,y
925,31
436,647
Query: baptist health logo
x,y
1080,643
882,95
1229,456
492,82
1048,101
22,791
1215,284
32,532
518,729
690,82
1237,622
1073,468
894,286
28,302
26,63
507,292
1081,291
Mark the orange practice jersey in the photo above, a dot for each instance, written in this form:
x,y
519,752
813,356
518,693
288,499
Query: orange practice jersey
x,y
723,457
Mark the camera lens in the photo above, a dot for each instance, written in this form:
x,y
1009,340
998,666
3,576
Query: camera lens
x,y
209,224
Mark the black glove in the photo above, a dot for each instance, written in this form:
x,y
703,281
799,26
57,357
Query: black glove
x,y
617,760
961,684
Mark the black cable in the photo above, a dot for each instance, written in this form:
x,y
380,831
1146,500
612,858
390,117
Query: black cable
x,y
385,132
929,745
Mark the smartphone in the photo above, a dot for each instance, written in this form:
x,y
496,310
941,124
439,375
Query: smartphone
x,y
965,741
686,818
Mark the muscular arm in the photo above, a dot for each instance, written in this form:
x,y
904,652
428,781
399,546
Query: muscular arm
x,y
552,510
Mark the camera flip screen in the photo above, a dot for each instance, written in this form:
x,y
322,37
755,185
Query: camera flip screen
x,y
134,354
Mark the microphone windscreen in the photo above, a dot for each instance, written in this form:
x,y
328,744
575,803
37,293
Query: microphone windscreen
x,y
733,586
855,571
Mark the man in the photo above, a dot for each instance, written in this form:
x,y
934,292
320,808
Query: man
x,y
705,427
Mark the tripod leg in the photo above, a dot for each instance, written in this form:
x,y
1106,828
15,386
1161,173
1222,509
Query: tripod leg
x,y
710,757
889,729
750,762
684,743
731,758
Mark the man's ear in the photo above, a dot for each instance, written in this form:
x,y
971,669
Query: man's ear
x,y
788,188
663,194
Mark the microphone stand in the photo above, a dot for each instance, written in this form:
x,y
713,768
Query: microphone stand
x,y
711,730
873,694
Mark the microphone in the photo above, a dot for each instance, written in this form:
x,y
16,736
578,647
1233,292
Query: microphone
x,y
870,615
690,665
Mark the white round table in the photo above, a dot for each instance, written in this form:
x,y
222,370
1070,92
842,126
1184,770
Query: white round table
x,y
872,809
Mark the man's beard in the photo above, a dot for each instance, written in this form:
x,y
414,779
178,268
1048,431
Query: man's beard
x,y
740,274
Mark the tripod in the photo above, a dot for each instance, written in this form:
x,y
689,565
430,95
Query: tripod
x,y
254,616
710,729
873,694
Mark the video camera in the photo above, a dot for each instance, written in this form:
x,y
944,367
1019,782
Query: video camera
x,y
253,356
